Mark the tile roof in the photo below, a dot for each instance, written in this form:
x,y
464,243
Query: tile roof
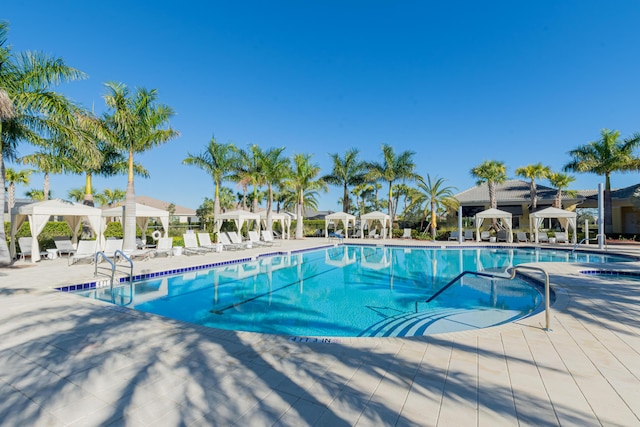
x,y
160,204
513,190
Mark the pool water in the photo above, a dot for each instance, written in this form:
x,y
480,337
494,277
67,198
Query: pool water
x,y
348,291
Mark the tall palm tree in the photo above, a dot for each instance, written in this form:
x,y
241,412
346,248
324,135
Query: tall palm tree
x,y
437,196
14,177
490,172
219,161
275,168
249,173
135,123
303,178
29,108
392,168
76,194
603,157
362,191
36,194
347,171
533,172
47,162
560,181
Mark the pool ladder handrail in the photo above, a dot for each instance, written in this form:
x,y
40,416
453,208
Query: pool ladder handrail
x,y
113,268
588,240
512,274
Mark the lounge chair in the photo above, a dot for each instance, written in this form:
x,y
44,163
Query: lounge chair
x,y
373,233
407,233
165,246
64,246
86,250
485,236
502,236
561,237
267,236
206,243
543,237
521,237
468,234
227,244
191,246
25,247
454,235
254,238
111,246
236,240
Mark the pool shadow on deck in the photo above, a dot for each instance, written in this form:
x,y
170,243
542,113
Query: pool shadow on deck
x,y
80,361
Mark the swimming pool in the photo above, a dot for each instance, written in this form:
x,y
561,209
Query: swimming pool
x,y
349,290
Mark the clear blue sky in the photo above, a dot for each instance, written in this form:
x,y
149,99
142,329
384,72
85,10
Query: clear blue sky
x,y
456,82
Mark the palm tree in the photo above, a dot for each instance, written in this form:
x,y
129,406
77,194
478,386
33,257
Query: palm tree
x,y
275,169
14,177
392,168
362,191
111,197
437,196
603,157
303,178
347,171
29,109
491,172
76,194
219,161
135,123
36,194
533,172
47,162
249,172
560,181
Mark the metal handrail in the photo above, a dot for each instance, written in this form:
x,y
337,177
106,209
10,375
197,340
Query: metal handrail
x,y
512,274
106,258
589,240
128,259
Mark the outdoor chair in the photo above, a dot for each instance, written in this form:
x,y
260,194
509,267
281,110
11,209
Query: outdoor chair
x,y
206,243
468,234
64,246
543,237
561,237
254,238
86,250
502,236
191,246
521,237
236,239
485,236
454,235
267,236
227,244
25,247
165,246
111,246
407,233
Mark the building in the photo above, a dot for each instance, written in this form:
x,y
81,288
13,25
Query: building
x,y
182,214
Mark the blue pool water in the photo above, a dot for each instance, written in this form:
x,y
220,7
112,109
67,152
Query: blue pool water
x,y
349,291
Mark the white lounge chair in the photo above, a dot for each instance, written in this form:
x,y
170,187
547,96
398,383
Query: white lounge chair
x,y
485,236
86,250
543,237
521,237
227,243
206,243
191,245
468,234
407,233
111,246
64,246
25,247
165,246
454,235
373,233
561,237
236,239
254,238
267,236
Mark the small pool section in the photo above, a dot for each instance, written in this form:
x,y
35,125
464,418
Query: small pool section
x,y
349,291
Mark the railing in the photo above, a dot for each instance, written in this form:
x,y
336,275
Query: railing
x,y
111,270
512,274
588,240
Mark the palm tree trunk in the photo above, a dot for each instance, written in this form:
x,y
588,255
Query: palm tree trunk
x,y
5,256
130,210
391,215
269,204
345,199
534,196
434,225
254,203
608,206
299,208
46,187
88,191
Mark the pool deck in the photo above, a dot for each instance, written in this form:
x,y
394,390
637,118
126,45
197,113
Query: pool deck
x,y
68,360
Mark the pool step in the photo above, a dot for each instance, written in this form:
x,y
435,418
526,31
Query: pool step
x,y
409,324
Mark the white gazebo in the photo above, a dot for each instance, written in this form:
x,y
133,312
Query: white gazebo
x,y
283,217
368,219
239,217
335,218
567,220
39,213
143,214
494,214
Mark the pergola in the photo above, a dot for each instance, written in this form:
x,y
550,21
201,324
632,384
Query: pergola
x,y
39,213
143,214
494,214
239,217
368,219
283,217
336,217
566,218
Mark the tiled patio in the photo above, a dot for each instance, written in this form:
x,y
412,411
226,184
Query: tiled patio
x,y
67,360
